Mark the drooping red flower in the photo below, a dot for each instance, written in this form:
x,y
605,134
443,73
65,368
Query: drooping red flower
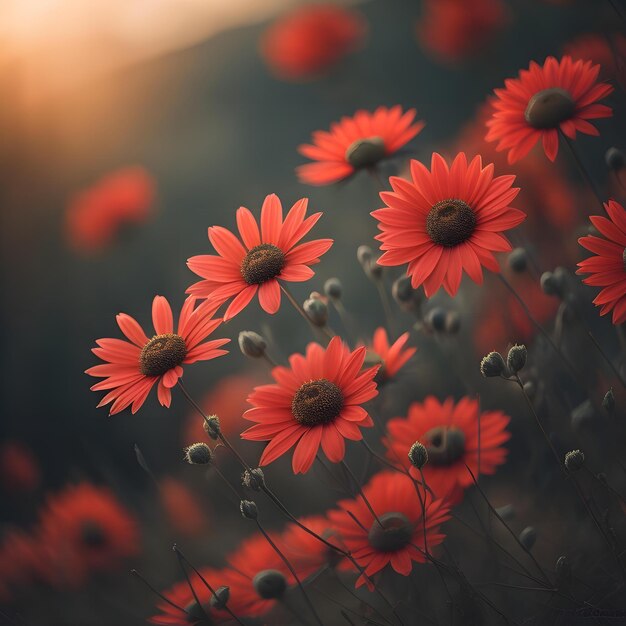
x,y
192,611
257,576
133,367
182,508
356,143
447,220
396,536
392,357
227,400
19,470
454,29
560,96
85,529
449,432
607,268
265,257
316,401
94,215
311,39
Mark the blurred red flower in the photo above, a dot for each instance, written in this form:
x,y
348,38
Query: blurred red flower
x,y
559,96
265,257
227,400
133,367
396,535
19,470
608,51
21,562
316,401
181,506
94,215
502,321
447,220
356,143
84,529
393,356
449,431
300,547
311,39
455,29
608,266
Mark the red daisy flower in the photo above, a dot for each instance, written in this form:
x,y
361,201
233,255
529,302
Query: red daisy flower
x,y
447,220
182,507
356,143
133,367
85,529
396,537
317,401
608,267
95,215
311,39
392,357
558,96
450,433
257,576
264,258
19,470
454,29
192,610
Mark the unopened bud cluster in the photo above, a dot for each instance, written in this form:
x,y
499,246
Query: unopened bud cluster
x,y
493,364
198,454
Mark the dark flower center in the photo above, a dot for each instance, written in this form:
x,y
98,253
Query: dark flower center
x,y
445,445
450,222
269,584
93,535
317,402
162,353
198,615
365,152
392,534
262,263
549,107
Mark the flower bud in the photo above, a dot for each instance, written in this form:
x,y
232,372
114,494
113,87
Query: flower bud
x,y
269,584
583,414
248,509
198,454
518,260
574,460
252,344
436,319
404,294
333,288
528,537
549,284
418,455
220,598
453,322
563,569
253,479
506,512
317,311
365,255
492,365
516,359
614,159
530,389
608,402
211,426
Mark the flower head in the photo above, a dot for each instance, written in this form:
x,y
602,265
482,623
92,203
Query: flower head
x,y
85,529
393,357
396,535
356,143
133,367
266,256
560,96
311,39
607,268
447,220
316,401
94,215
449,431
